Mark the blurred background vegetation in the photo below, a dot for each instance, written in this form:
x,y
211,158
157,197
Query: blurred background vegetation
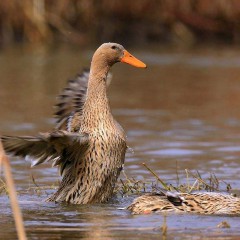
x,y
87,22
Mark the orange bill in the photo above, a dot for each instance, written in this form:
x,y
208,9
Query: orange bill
x,y
130,59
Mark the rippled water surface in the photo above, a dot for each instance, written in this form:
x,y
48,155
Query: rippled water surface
x,y
182,112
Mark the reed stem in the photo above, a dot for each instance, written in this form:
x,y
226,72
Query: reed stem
x,y
4,160
156,176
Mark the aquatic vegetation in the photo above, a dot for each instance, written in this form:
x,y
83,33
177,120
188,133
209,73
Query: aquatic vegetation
x,y
223,224
3,186
192,182
127,186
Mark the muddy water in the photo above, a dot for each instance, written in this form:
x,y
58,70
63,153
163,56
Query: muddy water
x,y
183,112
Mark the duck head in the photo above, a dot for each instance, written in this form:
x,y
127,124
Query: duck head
x,y
114,52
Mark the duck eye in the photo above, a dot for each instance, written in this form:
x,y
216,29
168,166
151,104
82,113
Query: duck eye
x,y
114,47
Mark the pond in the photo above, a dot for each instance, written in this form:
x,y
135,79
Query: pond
x,y
182,112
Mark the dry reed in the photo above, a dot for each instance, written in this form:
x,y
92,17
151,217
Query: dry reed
x,y
90,21
12,194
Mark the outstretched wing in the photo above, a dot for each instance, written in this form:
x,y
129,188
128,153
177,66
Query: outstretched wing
x,y
72,99
61,147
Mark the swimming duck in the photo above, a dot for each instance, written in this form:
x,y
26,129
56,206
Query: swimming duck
x,y
88,145
198,202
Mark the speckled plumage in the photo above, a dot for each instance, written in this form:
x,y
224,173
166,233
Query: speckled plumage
x,y
87,144
199,203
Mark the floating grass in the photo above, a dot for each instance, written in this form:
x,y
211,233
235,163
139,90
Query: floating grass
x,y
192,182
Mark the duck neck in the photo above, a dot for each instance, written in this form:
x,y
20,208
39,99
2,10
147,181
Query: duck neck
x,y
96,107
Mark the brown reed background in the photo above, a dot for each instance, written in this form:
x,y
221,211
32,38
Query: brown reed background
x,y
87,22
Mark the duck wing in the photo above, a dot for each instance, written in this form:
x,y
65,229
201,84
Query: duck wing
x,y
61,147
71,100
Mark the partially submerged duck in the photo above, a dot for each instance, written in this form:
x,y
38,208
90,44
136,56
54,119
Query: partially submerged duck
x,y
199,203
88,145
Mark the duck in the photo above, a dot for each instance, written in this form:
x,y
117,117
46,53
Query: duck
x,y
86,144
206,203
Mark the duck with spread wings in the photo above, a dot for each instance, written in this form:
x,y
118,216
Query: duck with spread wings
x,y
87,144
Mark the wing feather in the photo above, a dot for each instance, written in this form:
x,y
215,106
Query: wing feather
x,y
61,147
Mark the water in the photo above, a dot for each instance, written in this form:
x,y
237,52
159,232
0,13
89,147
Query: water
x,y
182,112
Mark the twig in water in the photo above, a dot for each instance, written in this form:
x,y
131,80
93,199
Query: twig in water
x,y
178,180
186,170
156,176
34,182
164,227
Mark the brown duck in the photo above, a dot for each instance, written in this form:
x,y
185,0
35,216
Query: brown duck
x,y
198,202
88,145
